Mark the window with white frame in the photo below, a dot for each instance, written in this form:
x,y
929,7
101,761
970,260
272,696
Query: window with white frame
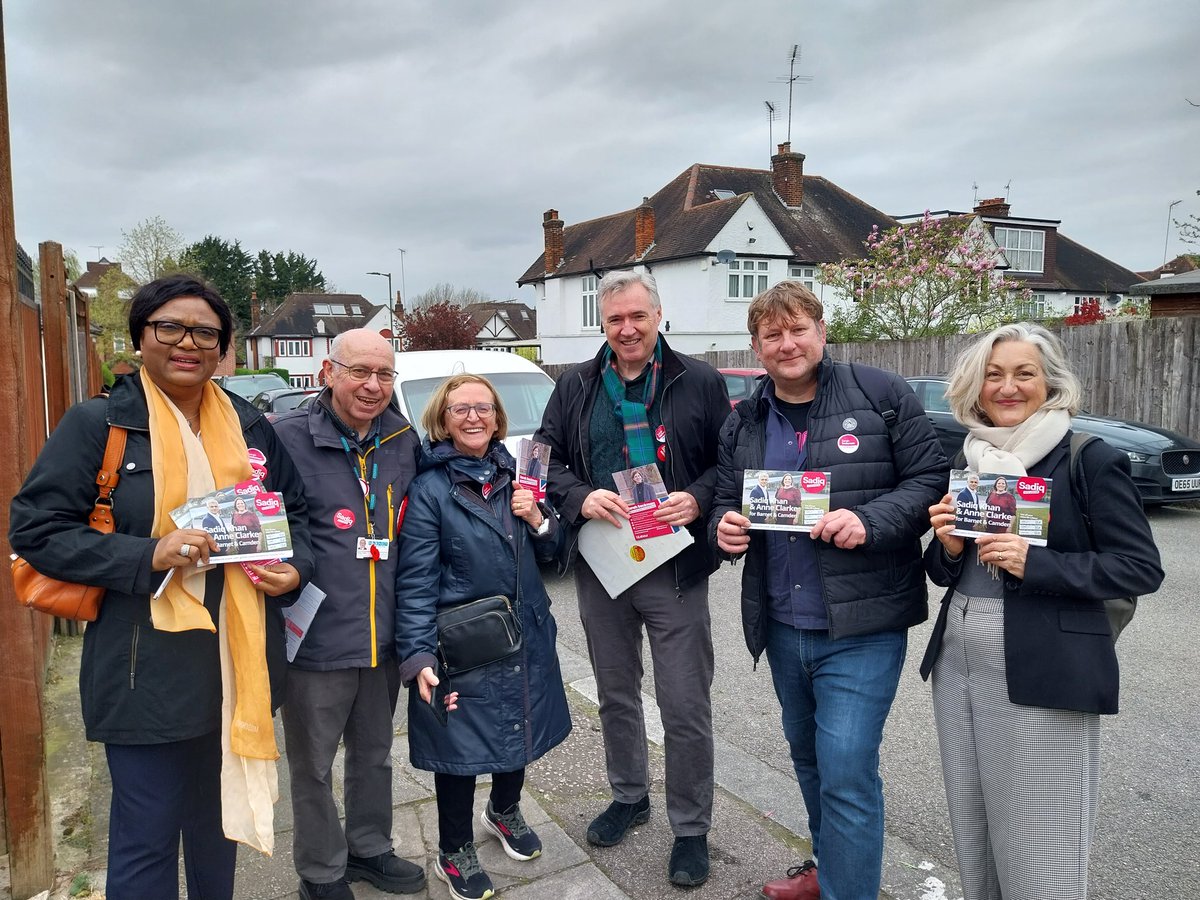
x,y
1084,303
747,277
1023,247
301,380
1032,309
806,275
118,345
591,310
293,347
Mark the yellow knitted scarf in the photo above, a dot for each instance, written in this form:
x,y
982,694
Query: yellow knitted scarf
x,y
185,467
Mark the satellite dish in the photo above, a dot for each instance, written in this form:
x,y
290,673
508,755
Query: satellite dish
x,y
725,257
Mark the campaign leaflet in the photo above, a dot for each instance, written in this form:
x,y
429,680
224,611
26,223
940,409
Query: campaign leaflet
x,y
642,488
992,503
784,501
533,459
248,523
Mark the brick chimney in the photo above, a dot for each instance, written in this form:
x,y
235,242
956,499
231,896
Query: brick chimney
x,y
643,229
254,310
787,174
554,239
996,206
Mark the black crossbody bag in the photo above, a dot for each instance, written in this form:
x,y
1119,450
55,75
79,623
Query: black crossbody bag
x,y
480,632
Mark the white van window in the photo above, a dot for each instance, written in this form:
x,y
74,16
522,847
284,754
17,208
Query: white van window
x,y
524,395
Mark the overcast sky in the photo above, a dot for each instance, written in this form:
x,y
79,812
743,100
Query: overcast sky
x,y
348,130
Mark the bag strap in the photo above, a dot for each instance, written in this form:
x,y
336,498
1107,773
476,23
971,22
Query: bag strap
x,y
878,395
1079,488
106,480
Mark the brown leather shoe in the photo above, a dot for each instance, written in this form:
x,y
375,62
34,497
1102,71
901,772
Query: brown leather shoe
x,y
800,884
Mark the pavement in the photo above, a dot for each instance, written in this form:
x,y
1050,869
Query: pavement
x,y
758,829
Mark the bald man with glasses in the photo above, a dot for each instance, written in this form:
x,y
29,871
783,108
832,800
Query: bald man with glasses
x,y
356,455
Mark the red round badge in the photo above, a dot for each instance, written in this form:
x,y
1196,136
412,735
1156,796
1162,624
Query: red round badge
x,y
259,473
1031,489
343,519
267,504
662,452
660,434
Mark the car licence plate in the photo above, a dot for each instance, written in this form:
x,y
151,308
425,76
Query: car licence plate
x,y
1185,484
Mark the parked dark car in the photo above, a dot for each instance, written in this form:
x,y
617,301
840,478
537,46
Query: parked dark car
x,y
249,386
1166,465
740,383
279,401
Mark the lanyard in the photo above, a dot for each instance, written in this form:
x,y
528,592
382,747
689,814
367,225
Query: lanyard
x,y
359,468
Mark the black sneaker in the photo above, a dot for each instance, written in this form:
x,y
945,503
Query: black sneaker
x,y
608,828
463,874
387,871
333,890
518,839
689,861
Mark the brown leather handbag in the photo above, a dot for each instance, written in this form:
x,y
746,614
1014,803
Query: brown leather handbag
x,y
79,602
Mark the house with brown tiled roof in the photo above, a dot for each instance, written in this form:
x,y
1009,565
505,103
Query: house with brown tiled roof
x,y
507,325
89,281
1062,275
296,336
713,238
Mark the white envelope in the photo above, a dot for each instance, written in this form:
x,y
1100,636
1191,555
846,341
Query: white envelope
x,y
618,560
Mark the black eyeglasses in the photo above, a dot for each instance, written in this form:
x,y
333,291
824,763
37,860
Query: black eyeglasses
x,y
204,337
363,374
462,410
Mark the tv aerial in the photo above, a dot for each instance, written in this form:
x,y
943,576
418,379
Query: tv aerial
x,y
791,79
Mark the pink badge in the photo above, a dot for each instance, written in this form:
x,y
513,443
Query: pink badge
x,y
267,504
847,443
343,519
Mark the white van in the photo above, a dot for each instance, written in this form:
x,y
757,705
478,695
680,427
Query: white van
x,y
523,387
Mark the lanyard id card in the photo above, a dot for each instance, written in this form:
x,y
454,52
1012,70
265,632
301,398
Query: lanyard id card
x,y
372,548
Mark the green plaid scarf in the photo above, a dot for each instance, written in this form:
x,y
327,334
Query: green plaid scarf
x,y
639,437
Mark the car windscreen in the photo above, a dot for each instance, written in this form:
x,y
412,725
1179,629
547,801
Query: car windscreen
x,y
524,395
289,401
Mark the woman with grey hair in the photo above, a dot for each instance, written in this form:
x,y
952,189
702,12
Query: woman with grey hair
x,y
1022,656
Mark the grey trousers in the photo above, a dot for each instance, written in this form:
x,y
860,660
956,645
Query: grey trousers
x,y
322,708
1022,782
681,646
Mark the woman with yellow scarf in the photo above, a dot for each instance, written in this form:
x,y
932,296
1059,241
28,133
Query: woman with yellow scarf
x,y
178,682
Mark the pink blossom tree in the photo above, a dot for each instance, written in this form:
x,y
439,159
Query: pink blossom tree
x,y
935,276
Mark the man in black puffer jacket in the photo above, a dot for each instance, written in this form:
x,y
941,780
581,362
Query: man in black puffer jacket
x,y
831,608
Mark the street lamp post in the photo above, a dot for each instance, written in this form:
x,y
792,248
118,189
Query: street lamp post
x,y
390,301
1167,239
403,292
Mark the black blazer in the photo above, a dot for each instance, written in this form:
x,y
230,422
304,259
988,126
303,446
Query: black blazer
x,y
1058,648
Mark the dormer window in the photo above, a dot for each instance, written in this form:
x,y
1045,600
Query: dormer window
x,y
1024,248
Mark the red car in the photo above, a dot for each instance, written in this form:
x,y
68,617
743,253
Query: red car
x,y
741,383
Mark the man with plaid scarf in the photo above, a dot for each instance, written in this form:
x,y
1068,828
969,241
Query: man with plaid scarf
x,y
638,402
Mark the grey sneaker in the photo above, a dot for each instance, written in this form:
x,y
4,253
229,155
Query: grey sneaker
x,y
519,841
462,873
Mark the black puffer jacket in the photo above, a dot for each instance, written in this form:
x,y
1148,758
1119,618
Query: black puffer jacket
x,y
694,404
890,486
139,685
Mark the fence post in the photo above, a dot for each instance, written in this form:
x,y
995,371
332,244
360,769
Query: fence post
x,y
56,330
26,797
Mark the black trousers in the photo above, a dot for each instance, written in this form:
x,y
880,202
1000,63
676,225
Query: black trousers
x,y
161,793
456,802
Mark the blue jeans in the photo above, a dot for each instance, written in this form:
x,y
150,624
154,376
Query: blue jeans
x,y
835,696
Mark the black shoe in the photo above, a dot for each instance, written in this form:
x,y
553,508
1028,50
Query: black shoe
x,y
608,828
689,861
334,890
387,871
519,841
